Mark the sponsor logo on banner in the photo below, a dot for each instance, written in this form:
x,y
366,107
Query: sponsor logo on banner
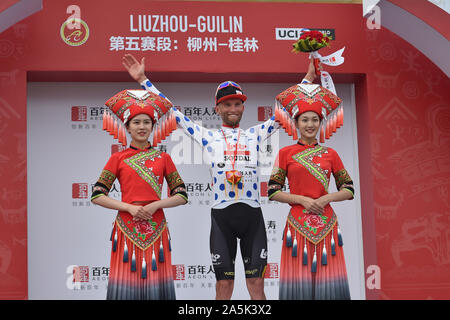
x,y
81,194
264,186
271,271
194,276
295,33
81,274
80,190
117,148
271,231
74,36
207,114
179,272
264,113
79,113
200,193
87,277
86,117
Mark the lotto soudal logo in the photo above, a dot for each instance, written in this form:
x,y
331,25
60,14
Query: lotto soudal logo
x,y
295,33
271,271
74,32
264,113
179,272
79,113
238,152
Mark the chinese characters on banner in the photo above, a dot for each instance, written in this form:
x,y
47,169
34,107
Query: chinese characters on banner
x,y
221,33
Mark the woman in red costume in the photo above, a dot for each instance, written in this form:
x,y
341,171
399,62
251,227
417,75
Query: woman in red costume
x,y
141,265
312,257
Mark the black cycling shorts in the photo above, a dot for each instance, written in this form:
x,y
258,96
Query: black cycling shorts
x,y
242,221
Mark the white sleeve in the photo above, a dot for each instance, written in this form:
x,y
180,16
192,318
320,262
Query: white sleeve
x,y
147,85
264,130
201,135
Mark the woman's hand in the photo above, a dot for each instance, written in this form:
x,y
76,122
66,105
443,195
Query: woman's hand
x,y
136,211
323,201
313,206
135,68
150,209
143,212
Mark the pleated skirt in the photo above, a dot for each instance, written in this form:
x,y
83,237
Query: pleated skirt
x,y
151,280
297,279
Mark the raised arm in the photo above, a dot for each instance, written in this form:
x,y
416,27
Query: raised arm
x,y
266,129
136,70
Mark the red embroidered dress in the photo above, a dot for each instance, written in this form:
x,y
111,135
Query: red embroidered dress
x,y
141,265
312,257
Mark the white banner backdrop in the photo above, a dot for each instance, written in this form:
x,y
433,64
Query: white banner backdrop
x,y
68,237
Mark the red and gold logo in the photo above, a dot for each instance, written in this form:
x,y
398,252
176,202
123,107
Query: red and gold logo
x,y
264,113
74,36
272,271
179,272
79,113
80,191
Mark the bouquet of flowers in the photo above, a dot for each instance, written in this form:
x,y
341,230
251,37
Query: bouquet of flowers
x,y
311,41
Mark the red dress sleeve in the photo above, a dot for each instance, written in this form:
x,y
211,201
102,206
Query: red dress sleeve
x,y
107,177
173,178
341,176
278,175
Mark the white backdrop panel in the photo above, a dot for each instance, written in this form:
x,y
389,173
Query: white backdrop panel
x,y
67,150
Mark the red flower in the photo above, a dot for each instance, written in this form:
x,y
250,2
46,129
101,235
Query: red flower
x,y
314,221
143,227
311,41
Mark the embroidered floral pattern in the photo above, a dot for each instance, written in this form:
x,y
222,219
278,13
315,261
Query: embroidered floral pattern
x,y
137,163
142,233
313,227
278,175
144,228
274,187
342,179
306,157
107,178
100,189
174,180
314,222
